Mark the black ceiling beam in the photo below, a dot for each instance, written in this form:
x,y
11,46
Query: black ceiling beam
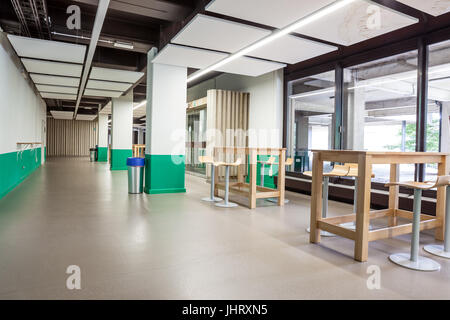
x,y
118,59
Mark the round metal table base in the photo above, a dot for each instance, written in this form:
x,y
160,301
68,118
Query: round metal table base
x,y
208,199
352,226
437,250
275,200
422,263
323,233
226,205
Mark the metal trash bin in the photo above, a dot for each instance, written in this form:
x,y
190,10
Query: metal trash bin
x,y
92,154
135,175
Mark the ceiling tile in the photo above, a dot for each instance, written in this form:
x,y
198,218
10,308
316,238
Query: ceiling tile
x,y
62,96
65,115
188,57
86,117
433,7
47,49
56,89
107,74
55,80
102,93
250,66
278,14
108,85
218,34
52,68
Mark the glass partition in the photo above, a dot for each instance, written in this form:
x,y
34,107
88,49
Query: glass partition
x,y
380,99
195,140
311,118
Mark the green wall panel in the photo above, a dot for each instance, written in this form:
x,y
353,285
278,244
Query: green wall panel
x,y
269,181
16,166
119,158
102,154
164,174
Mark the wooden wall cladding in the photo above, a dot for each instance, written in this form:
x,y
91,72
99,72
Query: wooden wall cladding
x,y
70,138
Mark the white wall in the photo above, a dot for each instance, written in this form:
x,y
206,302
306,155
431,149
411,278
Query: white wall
x,y
103,130
122,122
266,103
22,111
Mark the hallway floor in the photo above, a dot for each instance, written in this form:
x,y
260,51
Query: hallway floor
x,y
73,212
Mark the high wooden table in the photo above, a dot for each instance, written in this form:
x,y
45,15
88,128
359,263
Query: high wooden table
x,y
362,235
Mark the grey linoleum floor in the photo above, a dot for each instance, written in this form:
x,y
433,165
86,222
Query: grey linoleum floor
x,y
73,212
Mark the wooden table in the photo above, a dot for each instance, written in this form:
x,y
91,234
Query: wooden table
x,y
362,235
249,156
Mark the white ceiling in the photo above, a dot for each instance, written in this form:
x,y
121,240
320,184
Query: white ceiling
x,y
54,68
108,85
250,66
182,56
353,23
56,89
65,115
55,80
86,117
62,96
115,75
47,50
102,93
274,13
292,49
433,7
218,34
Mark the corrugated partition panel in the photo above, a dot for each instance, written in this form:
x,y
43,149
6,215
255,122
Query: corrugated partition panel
x,y
228,112
70,138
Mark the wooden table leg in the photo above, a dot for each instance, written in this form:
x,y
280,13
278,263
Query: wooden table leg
x,y
281,177
363,209
393,194
252,180
316,198
443,169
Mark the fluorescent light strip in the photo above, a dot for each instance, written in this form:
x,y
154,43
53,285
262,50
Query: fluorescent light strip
x,y
140,105
273,36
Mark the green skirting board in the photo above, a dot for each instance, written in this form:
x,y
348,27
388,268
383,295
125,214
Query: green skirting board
x,y
119,158
102,154
164,174
16,166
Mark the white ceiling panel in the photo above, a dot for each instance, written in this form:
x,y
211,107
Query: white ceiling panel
x,y
55,80
102,93
291,49
62,96
108,85
52,68
86,117
98,73
218,34
361,20
47,50
56,89
433,7
275,13
250,66
188,57
65,115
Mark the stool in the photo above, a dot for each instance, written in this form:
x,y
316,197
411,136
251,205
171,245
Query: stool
x,y
412,260
338,171
209,160
225,203
435,249
288,162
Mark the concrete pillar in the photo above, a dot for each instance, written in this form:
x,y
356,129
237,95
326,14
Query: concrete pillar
x,y
102,138
356,117
302,132
140,136
166,126
121,131
445,129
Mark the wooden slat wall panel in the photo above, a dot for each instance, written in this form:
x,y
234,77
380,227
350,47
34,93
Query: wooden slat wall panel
x,y
70,138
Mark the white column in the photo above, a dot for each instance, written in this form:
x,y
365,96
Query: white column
x,y
102,137
445,129
121,131
166,126
356,117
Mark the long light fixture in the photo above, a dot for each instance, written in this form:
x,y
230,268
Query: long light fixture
x,y
139,105
273,36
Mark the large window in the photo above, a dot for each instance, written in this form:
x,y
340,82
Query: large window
x,y
438,129
380,100
311,117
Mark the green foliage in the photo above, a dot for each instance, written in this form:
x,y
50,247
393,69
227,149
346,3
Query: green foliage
x,y
410,139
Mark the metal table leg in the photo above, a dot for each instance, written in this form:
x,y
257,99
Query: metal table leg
x,y
226,204
439,250
211,197
326,181
413,260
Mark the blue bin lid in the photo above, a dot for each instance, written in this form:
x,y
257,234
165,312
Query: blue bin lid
x,y
135,162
